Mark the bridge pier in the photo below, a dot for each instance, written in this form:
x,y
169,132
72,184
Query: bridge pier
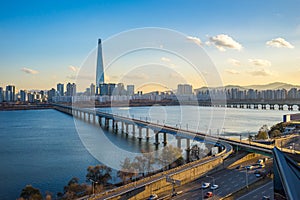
x,y
272,107
89,117
99,121
255,106
178,142
140,133
94,118
165,139
263,107
280,107
133,130
116,127
126,125
106,123
156,138
147,134
290,107
122,127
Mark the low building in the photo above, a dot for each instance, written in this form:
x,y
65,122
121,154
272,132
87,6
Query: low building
x,y
291,117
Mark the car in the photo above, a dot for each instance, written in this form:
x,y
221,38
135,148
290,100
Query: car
x,y
208,194
205,185
153,196
265,198
214,187
249,167
258,175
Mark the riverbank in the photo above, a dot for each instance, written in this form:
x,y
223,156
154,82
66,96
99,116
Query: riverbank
x,y
9,107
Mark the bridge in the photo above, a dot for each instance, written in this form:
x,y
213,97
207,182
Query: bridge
x,y
255,104
107,119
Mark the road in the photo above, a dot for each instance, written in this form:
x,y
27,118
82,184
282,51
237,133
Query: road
x,y
229,181
258,193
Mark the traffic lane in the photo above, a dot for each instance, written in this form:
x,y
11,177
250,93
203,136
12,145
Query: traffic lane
x,y
259,193
228,181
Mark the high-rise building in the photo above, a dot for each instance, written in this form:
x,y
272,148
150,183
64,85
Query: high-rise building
x,y
10,93
51,94
100,68
184,89
1,95
22,95
103,87
60,89
92,89
71,89
31,97
130,90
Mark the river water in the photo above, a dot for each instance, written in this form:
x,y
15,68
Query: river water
x,y
45,148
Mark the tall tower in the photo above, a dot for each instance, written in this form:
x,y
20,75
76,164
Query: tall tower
x,y
99,72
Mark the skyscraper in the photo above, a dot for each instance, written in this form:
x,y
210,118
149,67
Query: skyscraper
x,y
10,93
100,69
22,95
71,89
60,89
1,95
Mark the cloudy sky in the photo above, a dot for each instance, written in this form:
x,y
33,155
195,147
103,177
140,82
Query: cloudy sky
x,y
252,41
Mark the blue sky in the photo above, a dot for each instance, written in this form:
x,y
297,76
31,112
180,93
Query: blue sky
x,y
40,40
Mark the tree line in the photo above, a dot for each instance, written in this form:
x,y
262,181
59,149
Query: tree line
x,y
98,178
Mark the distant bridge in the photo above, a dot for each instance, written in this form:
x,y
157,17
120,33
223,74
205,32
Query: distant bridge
x,y
290,105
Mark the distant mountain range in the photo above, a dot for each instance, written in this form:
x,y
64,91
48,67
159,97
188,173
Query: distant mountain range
x,y
270,86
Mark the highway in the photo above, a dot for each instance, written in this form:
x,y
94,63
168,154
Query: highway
x,y
229,181
258,193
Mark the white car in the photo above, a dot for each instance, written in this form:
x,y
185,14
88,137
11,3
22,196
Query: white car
x,y
205,185
153,196
214,187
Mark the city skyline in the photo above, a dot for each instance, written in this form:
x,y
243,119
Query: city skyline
x,y
245,46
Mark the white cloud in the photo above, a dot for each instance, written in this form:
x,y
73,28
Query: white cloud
x,y
223,41
165,59
29,71
232,71
260,72
234,62
73,68
194,39
260,62
279,43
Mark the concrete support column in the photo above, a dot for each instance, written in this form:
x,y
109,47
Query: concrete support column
x,y
126,125
113,124
116,126
140,133
94,118
100,121
106,123
156,138
133,130
89,117
147,134
165,139
122,127
84,116
178,142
